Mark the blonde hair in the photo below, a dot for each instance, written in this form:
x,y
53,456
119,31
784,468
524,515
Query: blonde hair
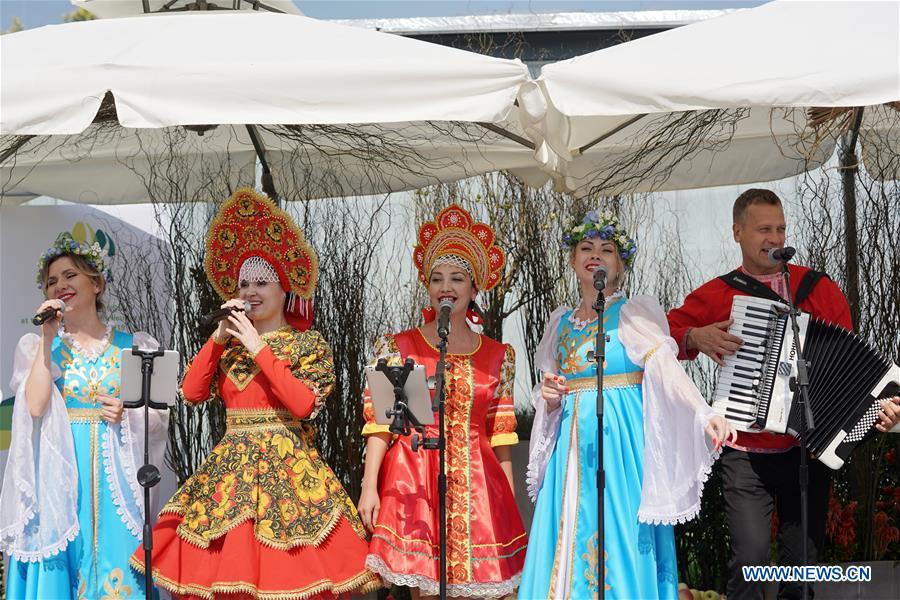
x,y
82,266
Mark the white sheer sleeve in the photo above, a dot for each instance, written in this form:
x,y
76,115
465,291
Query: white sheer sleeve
x,y
38,518
123,454
677,455
545,429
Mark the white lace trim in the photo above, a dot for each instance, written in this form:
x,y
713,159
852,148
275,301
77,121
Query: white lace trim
x,y
130,466
431,587
112,479
97,349
45,553
11,537
689,514
580,324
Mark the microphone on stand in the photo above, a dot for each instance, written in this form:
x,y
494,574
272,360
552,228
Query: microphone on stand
x,y
445,306
47,314
222,313
600,275
780,255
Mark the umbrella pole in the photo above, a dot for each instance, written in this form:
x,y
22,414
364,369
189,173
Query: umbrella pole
x,y
268,184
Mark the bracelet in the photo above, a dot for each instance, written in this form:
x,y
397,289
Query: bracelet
x,y
258,349
684,342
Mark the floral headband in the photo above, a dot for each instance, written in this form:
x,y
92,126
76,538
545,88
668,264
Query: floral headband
x,y
606,226
65,244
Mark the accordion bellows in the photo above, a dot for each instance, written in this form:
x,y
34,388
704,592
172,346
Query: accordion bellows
x,y
756,389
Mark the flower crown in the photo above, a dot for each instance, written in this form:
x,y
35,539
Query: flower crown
x,y
603,225
65,244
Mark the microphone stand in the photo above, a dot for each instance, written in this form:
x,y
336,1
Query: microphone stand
x,y
148,475
807,424
439,443
598,355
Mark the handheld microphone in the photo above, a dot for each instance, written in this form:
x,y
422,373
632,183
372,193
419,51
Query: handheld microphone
x,y
444,308
779,255
222,313
600,275
47,314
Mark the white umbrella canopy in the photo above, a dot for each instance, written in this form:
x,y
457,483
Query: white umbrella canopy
x,y
237,67
107,164
780,55
401,97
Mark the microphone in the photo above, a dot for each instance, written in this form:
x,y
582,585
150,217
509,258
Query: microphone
x,y
779,255
47,314
600,275
444,308
222,313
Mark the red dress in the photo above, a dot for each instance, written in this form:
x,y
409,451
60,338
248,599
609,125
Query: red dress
x,y
485,536
263,517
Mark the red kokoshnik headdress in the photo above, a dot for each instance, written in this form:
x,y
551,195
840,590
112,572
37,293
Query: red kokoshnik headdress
x,y
249,224
454,234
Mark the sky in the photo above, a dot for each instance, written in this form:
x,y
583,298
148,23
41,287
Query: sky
x,y
35,13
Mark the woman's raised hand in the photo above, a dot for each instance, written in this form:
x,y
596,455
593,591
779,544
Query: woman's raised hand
x,y
111,408
241,327
222,333
50,326
553,388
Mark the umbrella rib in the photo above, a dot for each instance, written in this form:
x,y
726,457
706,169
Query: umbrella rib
x,y
507,134
267,183
609,133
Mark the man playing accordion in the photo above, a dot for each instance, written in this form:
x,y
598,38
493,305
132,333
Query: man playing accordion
x,y
760,470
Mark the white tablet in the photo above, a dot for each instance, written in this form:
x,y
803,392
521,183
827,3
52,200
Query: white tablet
x,y
163,382
418,396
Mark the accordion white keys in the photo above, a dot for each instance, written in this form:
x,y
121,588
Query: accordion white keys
x,y
847,379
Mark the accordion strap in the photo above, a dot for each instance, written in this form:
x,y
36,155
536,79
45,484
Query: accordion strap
x,y
749,285
807,284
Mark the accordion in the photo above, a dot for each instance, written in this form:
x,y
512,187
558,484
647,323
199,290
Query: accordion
x,y
847,378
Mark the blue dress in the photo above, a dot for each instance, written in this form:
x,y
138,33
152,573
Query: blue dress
x,y
562,561
95,564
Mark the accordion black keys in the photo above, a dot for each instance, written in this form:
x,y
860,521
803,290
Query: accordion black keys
x,y
847,378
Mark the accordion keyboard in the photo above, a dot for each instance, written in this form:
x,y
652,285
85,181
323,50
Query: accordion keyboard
x,y
753,388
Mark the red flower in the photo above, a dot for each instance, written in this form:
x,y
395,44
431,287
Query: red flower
x,y
840,525
885,533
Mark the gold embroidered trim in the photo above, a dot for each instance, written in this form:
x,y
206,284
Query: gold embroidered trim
x,y
95,500
85,415
504,439
362,583
576,442
435,348
651,353
252,419
619,380
426,542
